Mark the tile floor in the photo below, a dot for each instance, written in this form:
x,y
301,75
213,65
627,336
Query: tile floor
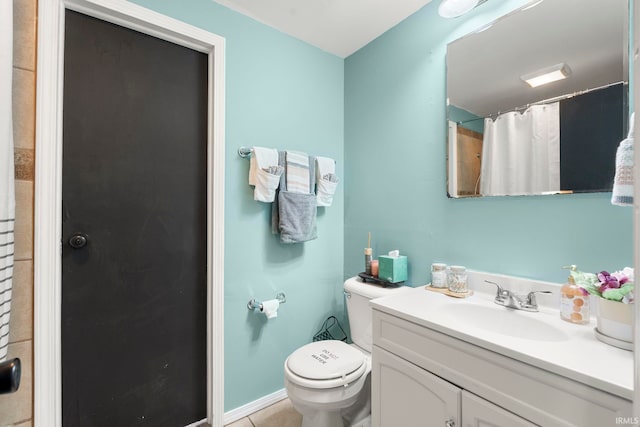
x,y
279,414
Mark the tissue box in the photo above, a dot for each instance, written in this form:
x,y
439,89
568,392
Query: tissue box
x,y
392,269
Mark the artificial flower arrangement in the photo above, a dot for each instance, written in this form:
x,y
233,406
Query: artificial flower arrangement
x,y
616,286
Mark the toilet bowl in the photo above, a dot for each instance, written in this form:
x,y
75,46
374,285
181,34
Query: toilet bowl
x,y
324,379
329,382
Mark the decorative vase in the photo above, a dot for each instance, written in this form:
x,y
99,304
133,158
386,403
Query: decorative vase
x,y
615,319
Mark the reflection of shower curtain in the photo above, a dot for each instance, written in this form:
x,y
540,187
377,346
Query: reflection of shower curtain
x,y
521,152
7,195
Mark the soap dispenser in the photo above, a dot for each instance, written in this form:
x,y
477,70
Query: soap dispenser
x,y
574,301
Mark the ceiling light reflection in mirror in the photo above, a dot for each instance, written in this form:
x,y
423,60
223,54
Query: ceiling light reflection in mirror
x,y
587,42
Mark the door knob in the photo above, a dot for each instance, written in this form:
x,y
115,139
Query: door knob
x,y
78,240
10,376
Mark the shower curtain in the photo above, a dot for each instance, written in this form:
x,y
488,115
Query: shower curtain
x,y
521,152
7,189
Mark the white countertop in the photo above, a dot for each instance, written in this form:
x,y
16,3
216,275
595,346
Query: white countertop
x,y
557,346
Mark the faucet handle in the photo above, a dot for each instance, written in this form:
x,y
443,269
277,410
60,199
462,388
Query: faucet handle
x,y
501,294
531,297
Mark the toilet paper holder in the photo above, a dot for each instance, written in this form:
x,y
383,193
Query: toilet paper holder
x,y
254,304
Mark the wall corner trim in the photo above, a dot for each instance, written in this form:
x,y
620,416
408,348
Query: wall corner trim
x,y
251,407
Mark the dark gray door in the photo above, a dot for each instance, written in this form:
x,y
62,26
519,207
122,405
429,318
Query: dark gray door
x,y
134,228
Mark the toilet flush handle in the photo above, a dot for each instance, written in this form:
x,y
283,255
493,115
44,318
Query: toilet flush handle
x,y
347,294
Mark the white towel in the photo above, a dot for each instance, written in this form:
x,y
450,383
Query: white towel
x,y
297,170
261,158
325,165
622,194
263,173
326,179
7,186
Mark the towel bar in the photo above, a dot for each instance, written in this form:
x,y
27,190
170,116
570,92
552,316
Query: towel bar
x,y
244,152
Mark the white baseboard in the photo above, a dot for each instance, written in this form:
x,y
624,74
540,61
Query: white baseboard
x,y
200,423
256,405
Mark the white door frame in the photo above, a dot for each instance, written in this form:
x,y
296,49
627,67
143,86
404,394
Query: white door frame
x,y
635,40
452,165
48,193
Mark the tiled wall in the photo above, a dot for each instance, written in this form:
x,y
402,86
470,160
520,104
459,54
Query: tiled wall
x,y
17,409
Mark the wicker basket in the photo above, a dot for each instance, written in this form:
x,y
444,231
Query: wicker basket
x,y
331,330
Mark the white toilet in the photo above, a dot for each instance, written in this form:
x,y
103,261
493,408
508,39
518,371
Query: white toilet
x,y
328,382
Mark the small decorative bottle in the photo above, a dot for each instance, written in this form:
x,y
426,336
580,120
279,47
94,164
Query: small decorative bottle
x,y
375,268
439,275
457,279
367,260
574,302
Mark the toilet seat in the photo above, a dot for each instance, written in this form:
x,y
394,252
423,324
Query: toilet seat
x,y
325,364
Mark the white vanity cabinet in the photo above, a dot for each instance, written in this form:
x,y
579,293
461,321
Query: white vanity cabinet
x,y
407,395
424,377
477,412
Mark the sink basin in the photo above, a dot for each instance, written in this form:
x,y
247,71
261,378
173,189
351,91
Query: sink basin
x,y
500,320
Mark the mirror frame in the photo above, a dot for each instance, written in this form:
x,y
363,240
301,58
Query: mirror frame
x,y
451,156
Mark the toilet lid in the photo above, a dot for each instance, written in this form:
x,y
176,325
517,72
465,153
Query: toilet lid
x,y
323,360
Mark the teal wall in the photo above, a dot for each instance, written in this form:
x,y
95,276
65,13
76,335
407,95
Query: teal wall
x,y
395,187
381,112
466,119
280,92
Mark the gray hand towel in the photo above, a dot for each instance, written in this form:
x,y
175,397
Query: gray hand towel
x,y
293,215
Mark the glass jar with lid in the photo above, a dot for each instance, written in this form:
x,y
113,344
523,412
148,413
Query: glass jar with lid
x,y
438,275
457,279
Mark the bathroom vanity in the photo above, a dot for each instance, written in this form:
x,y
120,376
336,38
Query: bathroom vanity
x,y
441,361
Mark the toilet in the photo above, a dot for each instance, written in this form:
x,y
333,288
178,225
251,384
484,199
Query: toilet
x,y
329,382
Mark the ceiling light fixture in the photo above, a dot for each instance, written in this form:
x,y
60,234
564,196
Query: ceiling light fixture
x,y
455,8
547,75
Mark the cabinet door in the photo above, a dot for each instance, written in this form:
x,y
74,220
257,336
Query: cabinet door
x,y
477,412
404,394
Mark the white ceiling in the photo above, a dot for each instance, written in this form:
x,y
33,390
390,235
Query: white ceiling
x,y
586,34
484,68
335,26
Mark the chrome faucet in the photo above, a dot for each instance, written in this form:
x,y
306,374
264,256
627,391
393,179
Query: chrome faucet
x,y
508,299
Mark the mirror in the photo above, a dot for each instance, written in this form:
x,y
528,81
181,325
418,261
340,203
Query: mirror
x,y
509,138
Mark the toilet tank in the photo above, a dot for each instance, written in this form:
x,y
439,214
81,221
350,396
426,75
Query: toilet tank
x,y
358,295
